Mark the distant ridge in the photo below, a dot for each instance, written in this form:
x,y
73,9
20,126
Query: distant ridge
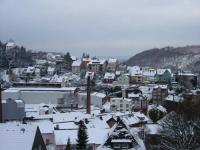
x,y
187,57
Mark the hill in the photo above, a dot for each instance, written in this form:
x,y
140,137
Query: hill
x,y
187,58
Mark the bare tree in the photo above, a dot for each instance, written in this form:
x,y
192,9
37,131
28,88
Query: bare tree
x,y
180,133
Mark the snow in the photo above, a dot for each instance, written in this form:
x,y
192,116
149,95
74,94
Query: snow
x,y
70,116
160,86
109,75
16,136
91,74
112,60
134,118
121,140
162,71
131,95
76,63
153,129
174,98
159,107
40,89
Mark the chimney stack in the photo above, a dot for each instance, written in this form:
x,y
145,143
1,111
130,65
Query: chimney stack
x,y
88,96
1,109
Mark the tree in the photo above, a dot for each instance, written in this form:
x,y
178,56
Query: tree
x,y
155,114
179,132
68,60
82,137
68,147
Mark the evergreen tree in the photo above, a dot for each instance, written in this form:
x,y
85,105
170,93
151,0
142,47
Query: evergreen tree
x,y
82,137
68,60
68,147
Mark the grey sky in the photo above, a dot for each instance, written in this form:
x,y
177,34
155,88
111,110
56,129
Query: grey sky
x,y
100,27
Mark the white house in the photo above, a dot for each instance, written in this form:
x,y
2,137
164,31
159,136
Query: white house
x,y
121,104
76,66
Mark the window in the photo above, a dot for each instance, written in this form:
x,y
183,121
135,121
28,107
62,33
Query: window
x,y
121,105
124,145
116,145
113,100
127,105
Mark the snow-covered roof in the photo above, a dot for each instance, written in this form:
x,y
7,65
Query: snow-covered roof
x,y
133,95
17,136
174,98
91,74
159,107
95,136
97,61
30,69
186,74
109,75
162,71
40,89
70,116
76,63
11,44
46,126
160,86
153,129
51,69
112,60
101,95
134,118
65,78
73,58
135,70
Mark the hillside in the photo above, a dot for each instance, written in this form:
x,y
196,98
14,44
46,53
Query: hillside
x,y
182,57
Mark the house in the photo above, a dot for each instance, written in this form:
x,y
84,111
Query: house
x,y
13,109
67,127
112,64
122,80
97,65
76,66
51,71
35,95
91,74
159,93
85,62
30,71
122,137
10,44
47,131
153,136
109,77
187,80
121,104
135,74
172,102
163,76
18,136
148,74
140,102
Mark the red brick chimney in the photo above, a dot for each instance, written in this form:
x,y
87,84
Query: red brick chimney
x,y
1,109
88,96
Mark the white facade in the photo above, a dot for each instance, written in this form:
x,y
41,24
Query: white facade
x,y
121,104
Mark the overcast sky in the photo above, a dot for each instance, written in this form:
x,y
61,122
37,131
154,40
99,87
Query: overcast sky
x,y
100,27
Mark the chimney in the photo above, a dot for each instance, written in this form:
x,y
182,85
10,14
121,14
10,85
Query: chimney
x,y
1,109
88,95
